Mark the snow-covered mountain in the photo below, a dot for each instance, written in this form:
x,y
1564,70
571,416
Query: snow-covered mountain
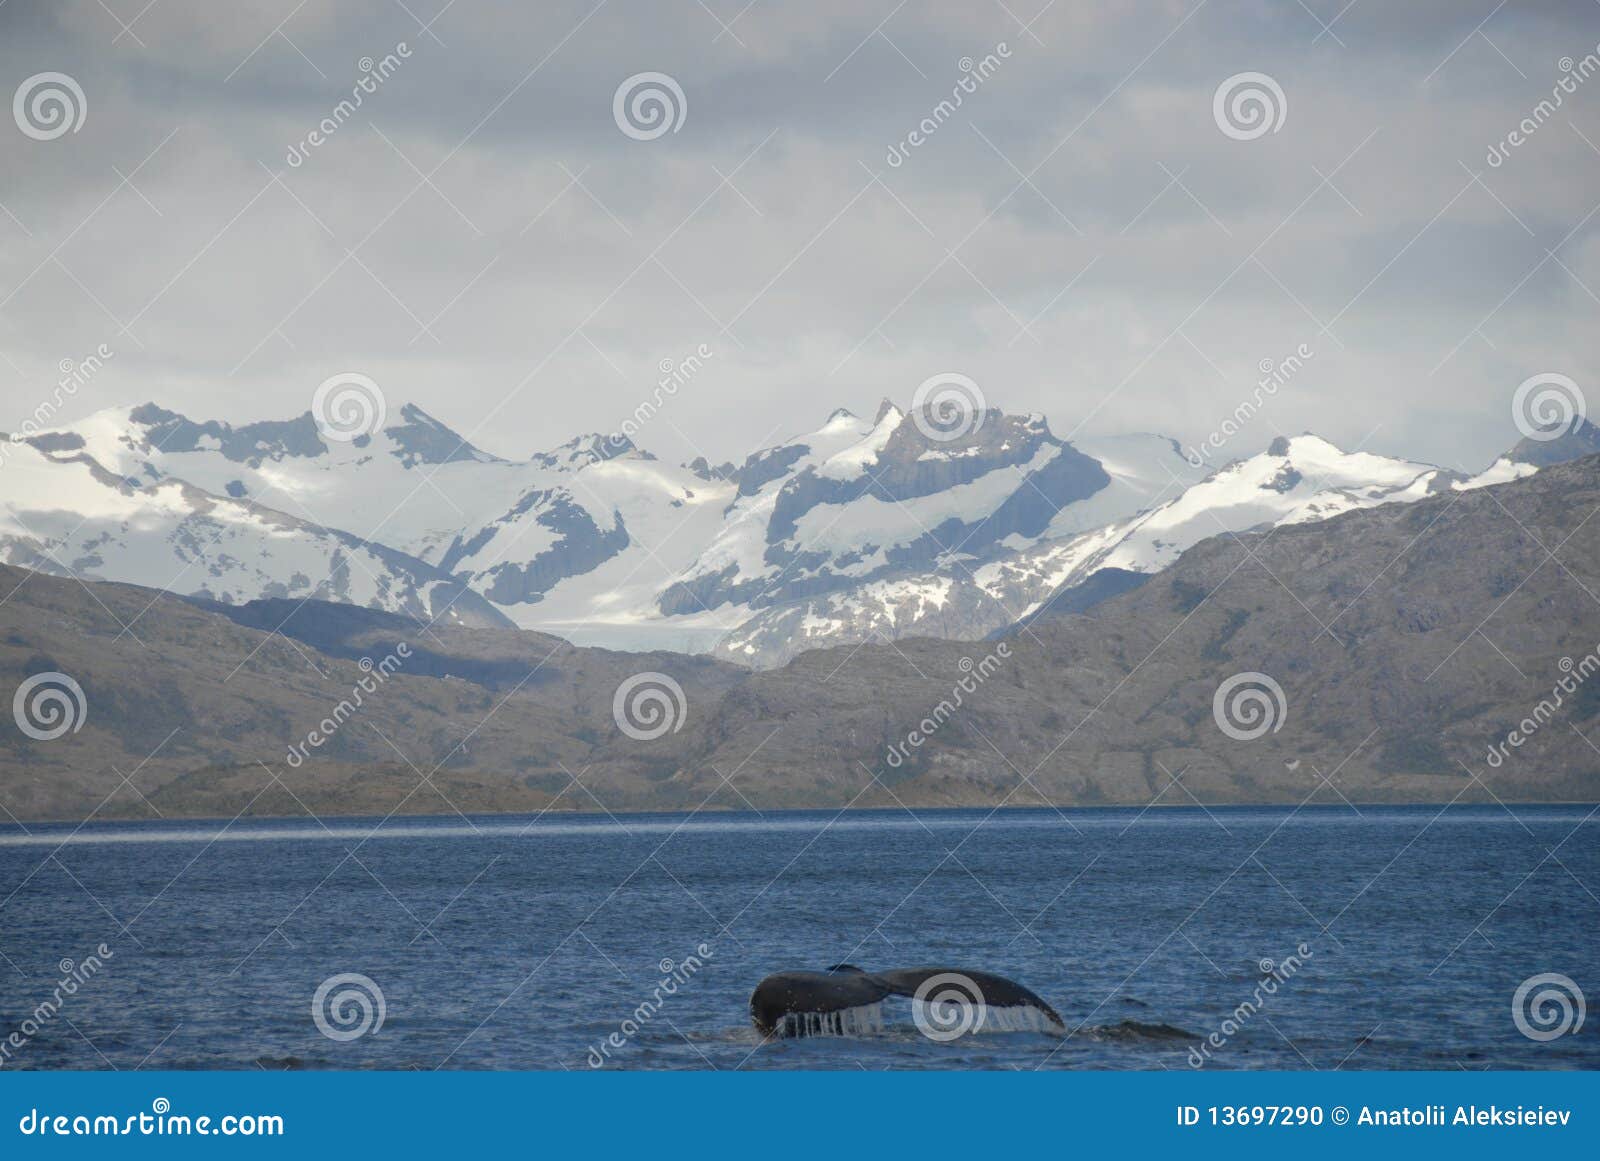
x,y
859,529
100,504
1551,445
411,519
854,503
1294,481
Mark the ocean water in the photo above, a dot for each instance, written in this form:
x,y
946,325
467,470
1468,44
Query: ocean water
x,y
1323,937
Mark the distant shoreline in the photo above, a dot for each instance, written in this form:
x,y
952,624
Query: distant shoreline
x,y
724,812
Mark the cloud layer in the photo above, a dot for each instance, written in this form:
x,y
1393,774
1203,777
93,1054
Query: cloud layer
x,y
1076,233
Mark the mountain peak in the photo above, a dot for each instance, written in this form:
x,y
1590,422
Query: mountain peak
x,y
1556,445
149,414
840,533
591,448
420,438
1306,443
169,432
841,413
415,437
411,413
713,473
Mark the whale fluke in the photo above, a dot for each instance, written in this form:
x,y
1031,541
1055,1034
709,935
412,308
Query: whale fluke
x,y
946,1002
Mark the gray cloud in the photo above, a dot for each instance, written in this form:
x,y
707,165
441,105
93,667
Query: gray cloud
x,y
528,288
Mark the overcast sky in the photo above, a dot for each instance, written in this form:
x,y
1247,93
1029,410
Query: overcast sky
x,y
1080,237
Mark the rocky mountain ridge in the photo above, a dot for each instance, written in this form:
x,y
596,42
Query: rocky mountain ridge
x,y
854,532
1401,652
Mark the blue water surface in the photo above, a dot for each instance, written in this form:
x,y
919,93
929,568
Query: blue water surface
x,y
525,943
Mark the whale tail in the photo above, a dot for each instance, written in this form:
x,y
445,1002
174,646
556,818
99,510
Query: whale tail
x,y
968,988
844,1000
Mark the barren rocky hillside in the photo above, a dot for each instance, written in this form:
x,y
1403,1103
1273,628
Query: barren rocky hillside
x,y
1407,640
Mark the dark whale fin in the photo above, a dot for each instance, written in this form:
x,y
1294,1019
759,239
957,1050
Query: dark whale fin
x,y
818,1003
980,987
844,1000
